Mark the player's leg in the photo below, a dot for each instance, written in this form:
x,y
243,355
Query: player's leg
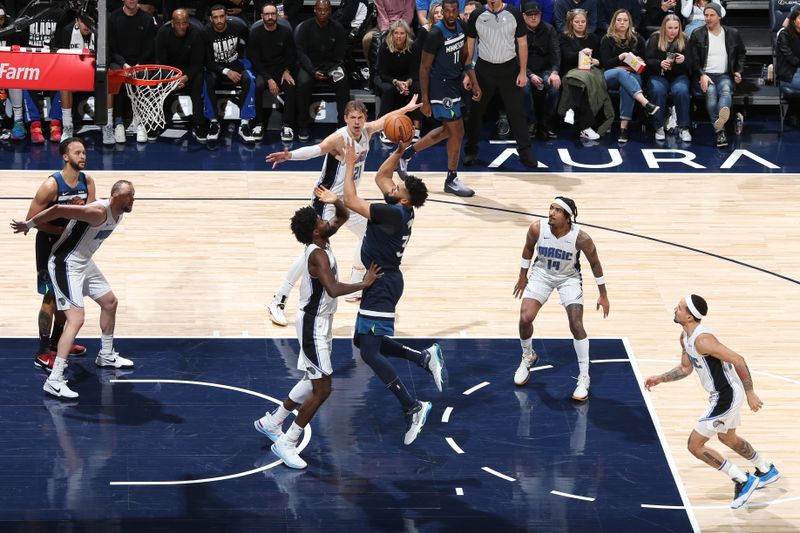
x,y
66,115
765,471
452,183
528,310
59,319
580,342
357,225
44,243
744,483
100,291
56,384
431,358
271,424
277,307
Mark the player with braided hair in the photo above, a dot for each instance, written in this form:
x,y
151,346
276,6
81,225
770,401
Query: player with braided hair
x,y
558,242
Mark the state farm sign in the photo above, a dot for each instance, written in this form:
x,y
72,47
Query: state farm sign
x,y
45,71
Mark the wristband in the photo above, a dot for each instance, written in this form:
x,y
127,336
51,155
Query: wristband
x,y
525,263
30,224
225,71
306,152
600,280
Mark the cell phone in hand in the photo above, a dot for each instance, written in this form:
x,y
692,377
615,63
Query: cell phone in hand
x,y
670,56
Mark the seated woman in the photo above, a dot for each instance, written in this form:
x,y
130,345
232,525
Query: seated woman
x,y
692,13
397,71
787,52
669,70
583,91
617,48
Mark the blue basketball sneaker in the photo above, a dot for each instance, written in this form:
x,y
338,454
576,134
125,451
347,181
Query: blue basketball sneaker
x,y
18,131
743,490
765,478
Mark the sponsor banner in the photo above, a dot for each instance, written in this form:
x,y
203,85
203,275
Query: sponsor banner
x,y
46,71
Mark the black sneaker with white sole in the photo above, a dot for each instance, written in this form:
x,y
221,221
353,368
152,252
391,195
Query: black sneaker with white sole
x,y
213,130
245,133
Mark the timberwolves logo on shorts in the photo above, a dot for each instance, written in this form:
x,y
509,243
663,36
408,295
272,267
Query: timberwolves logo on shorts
x,y
447,103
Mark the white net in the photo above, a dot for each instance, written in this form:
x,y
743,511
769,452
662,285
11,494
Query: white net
x,y
148,100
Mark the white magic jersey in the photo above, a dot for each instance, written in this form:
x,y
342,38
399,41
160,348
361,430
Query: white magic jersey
x,y
314,299
80,240
332,176
715,374
557,258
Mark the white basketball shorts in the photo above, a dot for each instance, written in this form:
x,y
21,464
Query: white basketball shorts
x,y
540,287
315,335
71,286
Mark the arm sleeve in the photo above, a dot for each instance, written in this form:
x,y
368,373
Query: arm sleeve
x,y
607,58
784,49
555,51
253,52
341,43
389,219
162,55
469,27
522,29
302,47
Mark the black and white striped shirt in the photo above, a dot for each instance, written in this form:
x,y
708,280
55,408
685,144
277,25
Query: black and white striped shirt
x,y
497,32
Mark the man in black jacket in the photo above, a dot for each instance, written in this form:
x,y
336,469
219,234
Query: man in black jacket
x,y
320,51
544,60
226,38
181,45
271,51
131,38
717,60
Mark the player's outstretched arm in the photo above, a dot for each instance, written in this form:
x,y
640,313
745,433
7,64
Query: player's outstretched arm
x,y
679,372
527,254
341,215
383,178
351,198
304,152
377,125
709,345
320,267
586,245
47,192
93,214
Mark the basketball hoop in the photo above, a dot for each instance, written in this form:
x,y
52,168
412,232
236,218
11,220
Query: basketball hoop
x,y
148,86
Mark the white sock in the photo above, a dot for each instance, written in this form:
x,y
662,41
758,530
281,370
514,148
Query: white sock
x,y
110,116
280,414
66,117
759,462
582,350
732,471
357,273
17,113
527,347
58,369
107,344
293,434
301,392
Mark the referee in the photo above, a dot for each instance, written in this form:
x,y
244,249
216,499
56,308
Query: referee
x,y
498,68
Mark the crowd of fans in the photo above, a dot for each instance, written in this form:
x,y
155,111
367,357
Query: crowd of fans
x,y
580,53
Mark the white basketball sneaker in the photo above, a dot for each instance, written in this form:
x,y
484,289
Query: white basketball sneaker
x,y
523,372
581,392
415,419
276,312
267,426
112,360
287,451
435,366
59,388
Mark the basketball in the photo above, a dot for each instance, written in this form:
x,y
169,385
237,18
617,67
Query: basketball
x,y
399,129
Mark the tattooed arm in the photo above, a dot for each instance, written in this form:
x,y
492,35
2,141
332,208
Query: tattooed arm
x,y
709,345
679,372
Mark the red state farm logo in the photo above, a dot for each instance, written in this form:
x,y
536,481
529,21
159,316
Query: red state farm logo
x,y
11,72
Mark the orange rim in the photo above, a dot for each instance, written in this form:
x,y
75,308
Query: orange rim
x,y
130,76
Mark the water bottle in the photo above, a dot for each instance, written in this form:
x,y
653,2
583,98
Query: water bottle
x,y
763,78
770,74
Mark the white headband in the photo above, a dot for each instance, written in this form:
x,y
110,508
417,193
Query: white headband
x,y
692,309
561,203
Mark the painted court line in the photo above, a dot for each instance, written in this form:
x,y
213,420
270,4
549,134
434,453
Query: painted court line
x,y
575,496
543,367
301,446
496,473
453,445
610,361
653,506
476,387
446,415
459,491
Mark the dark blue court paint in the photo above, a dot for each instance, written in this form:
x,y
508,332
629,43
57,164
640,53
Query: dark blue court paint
x,y
59,458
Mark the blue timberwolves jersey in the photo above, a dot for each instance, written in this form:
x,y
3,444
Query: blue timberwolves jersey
x,y
388,231
66,193
447,63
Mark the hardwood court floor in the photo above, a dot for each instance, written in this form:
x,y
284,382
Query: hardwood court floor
x,y
202,253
